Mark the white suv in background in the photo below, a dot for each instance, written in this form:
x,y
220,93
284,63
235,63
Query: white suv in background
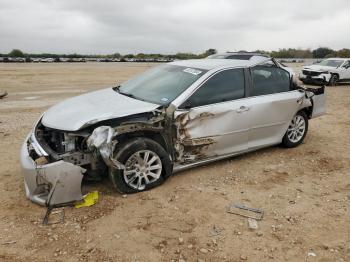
x,y
330,71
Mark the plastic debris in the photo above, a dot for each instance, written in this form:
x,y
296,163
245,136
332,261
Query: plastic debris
x,y
9,242
241,210
3,94
252,224
89,199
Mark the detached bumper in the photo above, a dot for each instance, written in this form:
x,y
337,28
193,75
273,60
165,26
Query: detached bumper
x,y
50,184
320,79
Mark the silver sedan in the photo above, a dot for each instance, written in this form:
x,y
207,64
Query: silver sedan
x,y
172,117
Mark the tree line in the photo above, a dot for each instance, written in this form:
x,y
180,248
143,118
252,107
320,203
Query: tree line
x,y
321,52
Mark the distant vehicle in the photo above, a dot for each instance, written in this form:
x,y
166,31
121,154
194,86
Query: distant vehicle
x,y
330,71
251,56
47,60
16,59
172,117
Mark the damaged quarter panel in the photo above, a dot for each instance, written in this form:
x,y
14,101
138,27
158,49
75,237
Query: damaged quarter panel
x,y
270,116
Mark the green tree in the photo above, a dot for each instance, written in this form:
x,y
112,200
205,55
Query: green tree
x,y
322,52
116,55
129,56
141,55
184,56
16,53
345,53
210,51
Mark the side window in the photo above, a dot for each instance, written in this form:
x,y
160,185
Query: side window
x,y
224,86
347,64
268,79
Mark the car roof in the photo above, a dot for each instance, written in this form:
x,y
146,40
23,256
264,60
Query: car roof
x,y
337,58
237,55
209,64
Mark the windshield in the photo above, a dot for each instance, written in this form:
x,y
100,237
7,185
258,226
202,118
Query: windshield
x,y
332,63
162,84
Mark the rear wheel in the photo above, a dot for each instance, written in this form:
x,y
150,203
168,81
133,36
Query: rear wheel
x,y
146,164
296,131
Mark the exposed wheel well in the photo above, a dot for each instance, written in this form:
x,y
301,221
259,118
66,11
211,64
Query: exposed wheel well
x,y
308,111
335,74
156,136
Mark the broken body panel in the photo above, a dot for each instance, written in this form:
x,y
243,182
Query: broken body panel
x,y
60,152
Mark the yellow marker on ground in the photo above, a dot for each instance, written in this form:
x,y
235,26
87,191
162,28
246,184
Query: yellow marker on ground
x,y
89,200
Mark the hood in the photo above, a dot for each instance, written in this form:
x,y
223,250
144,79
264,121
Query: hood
x,y
319,68
84,110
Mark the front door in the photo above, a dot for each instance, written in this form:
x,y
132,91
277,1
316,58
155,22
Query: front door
x,y
213,121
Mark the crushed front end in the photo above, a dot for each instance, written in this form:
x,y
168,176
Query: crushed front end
x,y
53,163
315,77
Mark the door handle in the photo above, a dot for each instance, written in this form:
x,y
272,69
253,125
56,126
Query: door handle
x,y
242,109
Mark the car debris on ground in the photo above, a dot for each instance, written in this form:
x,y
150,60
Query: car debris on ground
x,y
88,200
3,94
252,224
58,212
9,242
242,210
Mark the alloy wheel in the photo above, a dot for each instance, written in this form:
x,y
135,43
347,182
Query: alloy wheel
x,y
296,129
142,168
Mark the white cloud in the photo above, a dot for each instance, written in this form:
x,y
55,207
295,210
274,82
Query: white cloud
x,y
167,26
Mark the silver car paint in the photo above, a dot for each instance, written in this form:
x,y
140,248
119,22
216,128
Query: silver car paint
x,y
204,134
319,105
62,178
204,131
87,109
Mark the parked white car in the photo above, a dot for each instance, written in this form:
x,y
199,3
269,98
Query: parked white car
x,y
172,117
330,71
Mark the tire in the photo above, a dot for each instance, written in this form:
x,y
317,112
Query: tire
x,y
296,131
132,154
333,81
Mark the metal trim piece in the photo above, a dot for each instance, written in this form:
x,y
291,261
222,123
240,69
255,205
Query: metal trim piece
x,y
37,147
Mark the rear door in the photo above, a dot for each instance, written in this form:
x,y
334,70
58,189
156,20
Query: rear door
x,y
212,121
272,104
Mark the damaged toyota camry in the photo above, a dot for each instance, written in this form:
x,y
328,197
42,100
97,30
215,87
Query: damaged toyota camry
x,y
172,117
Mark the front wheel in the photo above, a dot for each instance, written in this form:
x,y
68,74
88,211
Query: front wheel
x,y
146,165
333,81
296,131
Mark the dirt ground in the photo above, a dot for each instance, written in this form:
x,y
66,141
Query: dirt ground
x,y
304,191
